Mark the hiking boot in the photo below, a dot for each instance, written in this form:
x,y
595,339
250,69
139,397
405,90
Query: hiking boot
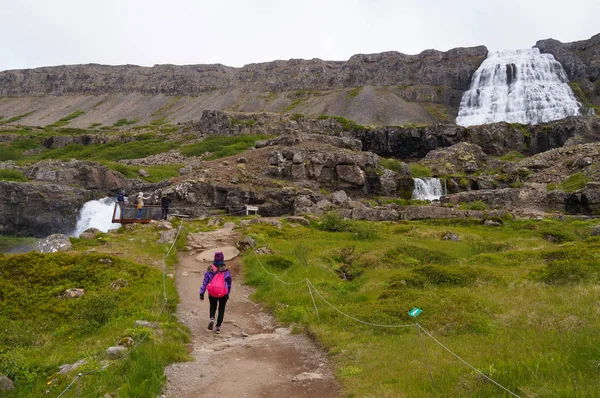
x,y
218,330
211,323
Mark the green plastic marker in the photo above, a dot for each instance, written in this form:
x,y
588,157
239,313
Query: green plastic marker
x,y
415,312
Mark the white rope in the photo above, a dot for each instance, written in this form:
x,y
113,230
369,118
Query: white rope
x,y
164,304
466,363
275,275
356,319
313,298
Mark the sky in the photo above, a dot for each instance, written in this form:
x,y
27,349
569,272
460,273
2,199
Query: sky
x,y
36,33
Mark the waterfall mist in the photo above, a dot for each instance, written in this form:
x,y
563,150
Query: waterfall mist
x,y
96,214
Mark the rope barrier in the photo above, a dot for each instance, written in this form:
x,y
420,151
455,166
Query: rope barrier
x,y
164,304
468,364
312,288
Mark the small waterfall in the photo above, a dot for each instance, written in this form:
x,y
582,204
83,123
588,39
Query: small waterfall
x,y
518,86
96,214
428,189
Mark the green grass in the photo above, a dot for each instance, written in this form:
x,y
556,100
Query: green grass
x,y
111,151
15,118
157,173
12,175
41,330
420,171
222,146
67,119
353,92
391,164
94,125
573,183
347,124
513,156
124,122
513,304
437,111
476,205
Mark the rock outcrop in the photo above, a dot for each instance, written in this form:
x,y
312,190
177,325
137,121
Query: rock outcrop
x,y
88,175
581,61
391,88
39,209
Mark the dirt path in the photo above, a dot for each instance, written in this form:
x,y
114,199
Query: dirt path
x,y
252,357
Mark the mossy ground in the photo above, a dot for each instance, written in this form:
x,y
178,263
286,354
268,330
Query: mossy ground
x,y
42,330
513,302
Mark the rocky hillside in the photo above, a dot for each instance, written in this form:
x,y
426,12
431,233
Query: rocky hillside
x,y
375,89
581,60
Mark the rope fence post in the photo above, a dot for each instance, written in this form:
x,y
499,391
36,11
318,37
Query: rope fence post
x,y
426,357
313,298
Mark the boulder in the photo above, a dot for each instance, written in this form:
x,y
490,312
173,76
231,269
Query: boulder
x,y
74,293
126,342
6,384
64,369
115,352
339,197
168,236
143,173
118,284
298,220
90,233
245,244
54,243
451,236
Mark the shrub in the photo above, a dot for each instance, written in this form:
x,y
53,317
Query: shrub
x,y
420,171
364,230
334,222
563,273
476,205
297,116
278,262
11,175
447,276
391,164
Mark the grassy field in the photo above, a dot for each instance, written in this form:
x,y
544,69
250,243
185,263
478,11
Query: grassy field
x,y
42,330
518,302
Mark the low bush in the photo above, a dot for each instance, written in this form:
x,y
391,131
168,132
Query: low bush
x,y
476,205
222,146
278,262
12,175
334,222
420,171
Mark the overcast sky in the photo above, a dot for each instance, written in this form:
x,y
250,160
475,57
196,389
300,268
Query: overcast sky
x,y
37,33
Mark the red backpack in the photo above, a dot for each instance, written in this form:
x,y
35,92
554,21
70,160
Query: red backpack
x,y
217,286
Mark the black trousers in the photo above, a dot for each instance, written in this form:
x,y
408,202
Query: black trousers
x,y
221,301
164,212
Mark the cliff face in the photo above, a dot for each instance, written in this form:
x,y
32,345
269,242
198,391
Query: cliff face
x,y
452,69
581,60
375,89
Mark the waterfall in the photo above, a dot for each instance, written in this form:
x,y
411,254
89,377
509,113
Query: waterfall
x,y
428,189
518,86
96,214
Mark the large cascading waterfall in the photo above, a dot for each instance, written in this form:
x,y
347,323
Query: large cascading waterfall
x,y
428,188
518,86
96,214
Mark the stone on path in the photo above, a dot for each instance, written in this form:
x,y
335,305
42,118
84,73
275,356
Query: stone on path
x,y
229,252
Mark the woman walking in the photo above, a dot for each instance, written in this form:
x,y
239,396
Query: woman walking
x,y
217,280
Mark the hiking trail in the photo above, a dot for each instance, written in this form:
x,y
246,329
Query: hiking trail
x,y
253,356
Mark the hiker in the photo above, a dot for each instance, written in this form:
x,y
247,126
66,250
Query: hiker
x,y
121,202
164,204
140,204
217,280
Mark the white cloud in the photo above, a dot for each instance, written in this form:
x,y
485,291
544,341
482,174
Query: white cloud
x,y
146,32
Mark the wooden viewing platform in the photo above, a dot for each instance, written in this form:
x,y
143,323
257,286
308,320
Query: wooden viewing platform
x,y
130,211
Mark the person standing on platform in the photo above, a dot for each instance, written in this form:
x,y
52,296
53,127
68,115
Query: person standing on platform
x,y
164,204
140,204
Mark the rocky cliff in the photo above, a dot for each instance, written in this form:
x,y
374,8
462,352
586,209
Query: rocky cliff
x,y
374,89
581,60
